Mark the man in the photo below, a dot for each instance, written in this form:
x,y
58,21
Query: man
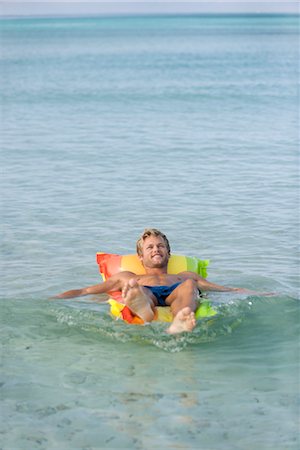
x,y
142,293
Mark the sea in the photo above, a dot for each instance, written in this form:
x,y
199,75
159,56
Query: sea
x,y
110,125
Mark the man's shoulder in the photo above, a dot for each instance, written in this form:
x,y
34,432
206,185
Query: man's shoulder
x,y
125,274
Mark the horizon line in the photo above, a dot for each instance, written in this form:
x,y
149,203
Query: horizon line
x,y
145,14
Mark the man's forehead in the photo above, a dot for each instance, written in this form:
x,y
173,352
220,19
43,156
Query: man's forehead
x,y
153,239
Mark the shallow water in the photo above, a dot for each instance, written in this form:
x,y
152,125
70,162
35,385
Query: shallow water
x,y
114,124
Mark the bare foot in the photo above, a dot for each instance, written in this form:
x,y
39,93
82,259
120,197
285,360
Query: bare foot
x,y
183,321
137,300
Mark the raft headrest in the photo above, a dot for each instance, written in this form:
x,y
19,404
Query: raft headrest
x,y
110,264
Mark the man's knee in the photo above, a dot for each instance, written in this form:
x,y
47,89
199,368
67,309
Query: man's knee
x,y
189,286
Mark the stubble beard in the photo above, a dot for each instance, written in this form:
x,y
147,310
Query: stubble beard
x,y
159,265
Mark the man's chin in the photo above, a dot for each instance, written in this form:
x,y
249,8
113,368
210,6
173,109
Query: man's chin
x,y
159,264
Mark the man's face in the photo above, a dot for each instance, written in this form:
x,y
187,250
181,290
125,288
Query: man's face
x,y
154,253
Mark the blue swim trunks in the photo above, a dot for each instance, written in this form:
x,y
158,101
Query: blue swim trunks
x,y
162,292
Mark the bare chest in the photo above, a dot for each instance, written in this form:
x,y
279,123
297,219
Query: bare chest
x,y
159,280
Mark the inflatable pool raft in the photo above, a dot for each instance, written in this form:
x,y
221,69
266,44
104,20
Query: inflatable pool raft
x,y
110,264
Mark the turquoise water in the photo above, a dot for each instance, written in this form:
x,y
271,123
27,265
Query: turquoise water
x,y
111,125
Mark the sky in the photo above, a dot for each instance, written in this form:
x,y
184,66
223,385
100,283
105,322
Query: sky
x,y
46,8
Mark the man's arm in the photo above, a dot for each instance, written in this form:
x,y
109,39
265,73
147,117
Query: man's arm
x,y
112,284
97,289
205,285
208,286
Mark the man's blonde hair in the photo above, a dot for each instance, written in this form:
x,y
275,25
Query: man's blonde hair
x,y
147,233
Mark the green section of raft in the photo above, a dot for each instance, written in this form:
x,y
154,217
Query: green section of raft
x,y
205,310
